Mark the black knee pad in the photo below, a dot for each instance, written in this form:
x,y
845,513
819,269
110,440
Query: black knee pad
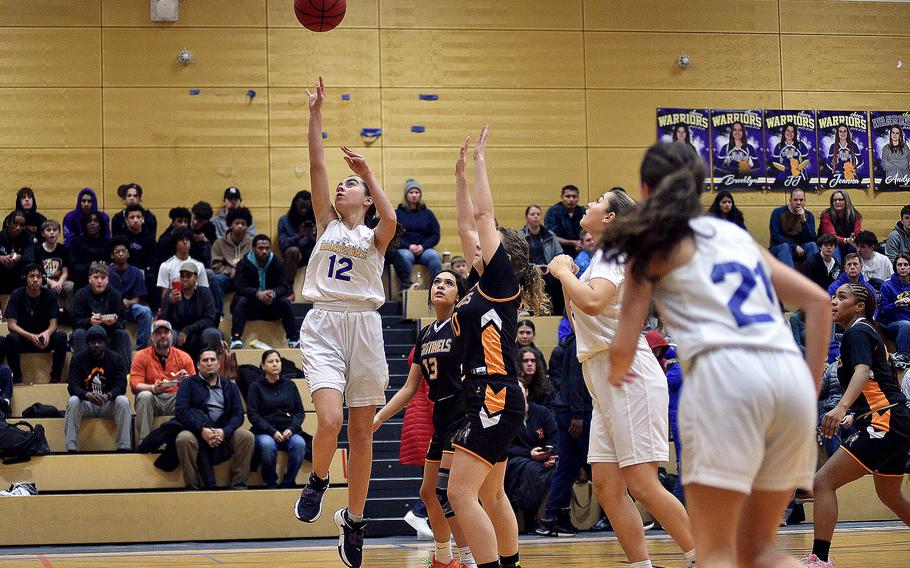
x,y
442,493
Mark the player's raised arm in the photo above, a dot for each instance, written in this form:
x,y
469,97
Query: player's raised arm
x,y
388,221
319,179
464,208
484,214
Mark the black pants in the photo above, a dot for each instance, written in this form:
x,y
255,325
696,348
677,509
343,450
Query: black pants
x,y
14,344
243,309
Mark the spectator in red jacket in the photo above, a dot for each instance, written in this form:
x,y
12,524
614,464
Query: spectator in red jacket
x,y
843,221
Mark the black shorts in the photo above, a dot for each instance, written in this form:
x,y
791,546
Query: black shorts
x,y
881,451
448,418
495,413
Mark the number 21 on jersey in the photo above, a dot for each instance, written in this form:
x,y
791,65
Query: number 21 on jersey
x,y
722,270
339,266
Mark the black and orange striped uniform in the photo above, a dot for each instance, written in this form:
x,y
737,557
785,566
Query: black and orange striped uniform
x,y
882,418
440,365
486,323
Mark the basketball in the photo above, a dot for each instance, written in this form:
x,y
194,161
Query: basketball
x,y
319,15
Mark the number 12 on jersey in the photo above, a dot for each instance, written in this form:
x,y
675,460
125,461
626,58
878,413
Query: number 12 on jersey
x,y
339,266
720,272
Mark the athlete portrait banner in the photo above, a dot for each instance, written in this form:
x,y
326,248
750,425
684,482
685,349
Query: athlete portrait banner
x,y
737,159
790,148
890,151
843,149
686,126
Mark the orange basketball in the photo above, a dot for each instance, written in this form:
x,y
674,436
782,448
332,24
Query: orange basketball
x,y
319,15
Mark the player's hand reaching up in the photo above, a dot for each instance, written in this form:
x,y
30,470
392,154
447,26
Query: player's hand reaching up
x,y
462,157
315,98
480,147
356,162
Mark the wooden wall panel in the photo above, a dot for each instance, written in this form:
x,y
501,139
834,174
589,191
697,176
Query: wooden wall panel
x,y
840,17
482,14
617,60
613,167
844,63
852,100
221,57
198,13
290,171
50,57
56,175
512,216
627,118
50,13
342,119
50,118
359,14
742,16
188,174
345,57
482,59
173,117
518,176
519,117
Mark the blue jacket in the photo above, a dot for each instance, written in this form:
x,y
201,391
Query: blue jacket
x,y
843,279
420,227
778,238
891,291
562,223
191,411
573,395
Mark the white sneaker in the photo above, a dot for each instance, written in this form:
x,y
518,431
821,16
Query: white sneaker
x,y
419,524
813,561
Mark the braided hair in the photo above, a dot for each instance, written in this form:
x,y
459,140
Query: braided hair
x,y
862,294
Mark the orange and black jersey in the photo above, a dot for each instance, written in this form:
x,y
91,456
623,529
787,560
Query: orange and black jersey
x,y
439,361
486,321
862,345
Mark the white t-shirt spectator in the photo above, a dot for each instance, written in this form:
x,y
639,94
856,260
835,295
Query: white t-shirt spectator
x,y
169,272
877,267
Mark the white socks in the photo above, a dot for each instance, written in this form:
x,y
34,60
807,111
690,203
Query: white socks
x,y
690,556
465,556
642,564
444,552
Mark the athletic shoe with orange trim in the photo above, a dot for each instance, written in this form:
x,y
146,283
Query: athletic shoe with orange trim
x,y
437,564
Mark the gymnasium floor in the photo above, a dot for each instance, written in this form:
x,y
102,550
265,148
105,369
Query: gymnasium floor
x,y
884,545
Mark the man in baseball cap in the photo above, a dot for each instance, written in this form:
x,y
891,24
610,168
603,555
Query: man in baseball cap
x,y
232,200
155,374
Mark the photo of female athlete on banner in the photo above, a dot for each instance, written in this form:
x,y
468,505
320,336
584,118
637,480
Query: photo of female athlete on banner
x,y
790,149
843,149
890,151
737,162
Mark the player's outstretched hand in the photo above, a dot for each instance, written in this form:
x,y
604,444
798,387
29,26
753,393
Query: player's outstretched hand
x,y
462,156
356,162
480,147
315,98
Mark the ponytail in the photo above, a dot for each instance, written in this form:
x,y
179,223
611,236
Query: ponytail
x,y
676,175
864,295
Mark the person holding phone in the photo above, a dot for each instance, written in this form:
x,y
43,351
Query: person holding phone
x,y
543,246
191,310
99,304
154,376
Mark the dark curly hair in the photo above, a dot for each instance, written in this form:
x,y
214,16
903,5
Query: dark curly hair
x,y
530,278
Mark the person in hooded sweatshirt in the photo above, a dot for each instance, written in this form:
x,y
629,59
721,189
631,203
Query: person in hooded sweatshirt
x,y
262,293
93,245
16,250
228,251
894,310
74,221
421,230
899,238
26,202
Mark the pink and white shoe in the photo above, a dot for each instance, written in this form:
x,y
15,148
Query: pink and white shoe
x,y
813,561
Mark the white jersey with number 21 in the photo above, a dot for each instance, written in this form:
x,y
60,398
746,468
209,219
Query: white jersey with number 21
x,y
345,267
723,296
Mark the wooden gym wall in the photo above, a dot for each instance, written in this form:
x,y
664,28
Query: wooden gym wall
x,y
91,94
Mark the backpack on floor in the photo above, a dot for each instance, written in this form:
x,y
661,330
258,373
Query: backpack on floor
x,y
19,441
41,410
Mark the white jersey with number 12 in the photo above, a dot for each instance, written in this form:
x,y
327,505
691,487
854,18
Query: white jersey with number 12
x,y
345,267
